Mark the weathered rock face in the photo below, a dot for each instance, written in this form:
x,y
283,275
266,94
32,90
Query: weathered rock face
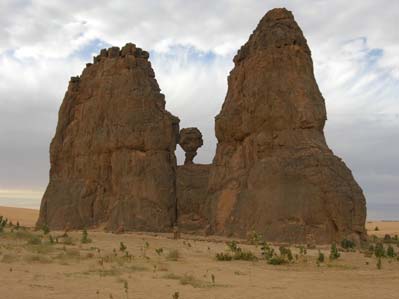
x,y
192,188
112,157
113,162
192,185
190,139
273,171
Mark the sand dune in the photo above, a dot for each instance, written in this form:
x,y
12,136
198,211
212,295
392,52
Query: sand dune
x,y
26,217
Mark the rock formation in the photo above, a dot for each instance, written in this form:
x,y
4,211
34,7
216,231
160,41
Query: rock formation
x,y
190,139
113,162
191,189
112,157
191,184
273,171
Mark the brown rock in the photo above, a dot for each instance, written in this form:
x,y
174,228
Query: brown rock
x,y
190,139
128,49
273,171
112,157
113,52
191,190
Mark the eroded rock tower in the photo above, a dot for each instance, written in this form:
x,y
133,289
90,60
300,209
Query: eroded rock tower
x,y
113,162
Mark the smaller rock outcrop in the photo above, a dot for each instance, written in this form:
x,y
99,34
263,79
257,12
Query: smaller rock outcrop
x,y
190,140
191,191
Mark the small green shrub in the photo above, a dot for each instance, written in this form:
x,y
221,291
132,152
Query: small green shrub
x,y
286,253
122,247
267,251
244,256
3,223
232,245
320,257
390,251
85,237
159,251
379,250
223,256
302,250
334,254
236,253
348,244
376,229
254,238
276,260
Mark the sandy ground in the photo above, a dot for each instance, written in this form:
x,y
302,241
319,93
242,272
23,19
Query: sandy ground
x,y
26,217
99,269
384,227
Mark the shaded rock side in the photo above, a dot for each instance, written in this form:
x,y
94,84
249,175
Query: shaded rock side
x,y
273,171
112,157
192,186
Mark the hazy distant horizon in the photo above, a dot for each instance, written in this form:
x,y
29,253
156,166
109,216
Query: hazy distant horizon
x,y
375,212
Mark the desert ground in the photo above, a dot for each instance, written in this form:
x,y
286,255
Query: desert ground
x,y
41,264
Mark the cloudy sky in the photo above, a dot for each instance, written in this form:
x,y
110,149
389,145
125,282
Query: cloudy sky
x,y
355,48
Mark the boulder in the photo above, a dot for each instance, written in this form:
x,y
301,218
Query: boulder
x,y
190,139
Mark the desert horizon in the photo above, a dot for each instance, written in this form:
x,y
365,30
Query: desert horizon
x,y
28,217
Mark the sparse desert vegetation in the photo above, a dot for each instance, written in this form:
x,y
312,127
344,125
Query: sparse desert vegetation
x,y
95,264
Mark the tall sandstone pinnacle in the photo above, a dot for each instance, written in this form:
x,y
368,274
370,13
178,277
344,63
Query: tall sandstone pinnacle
x,y
273,171
112,157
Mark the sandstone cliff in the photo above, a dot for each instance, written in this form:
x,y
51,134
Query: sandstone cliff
x,y
112,157
273,171
113,162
